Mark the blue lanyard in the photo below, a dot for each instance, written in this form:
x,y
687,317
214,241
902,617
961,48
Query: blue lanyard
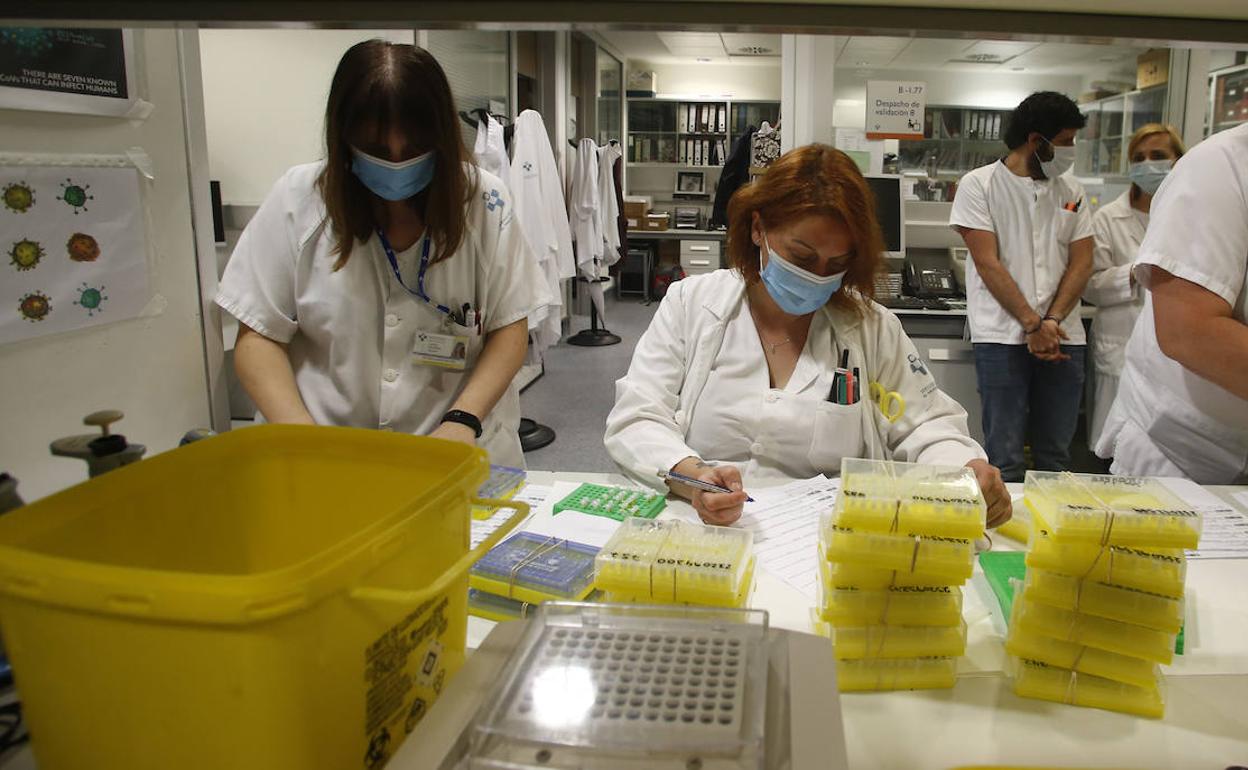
x,y
419,291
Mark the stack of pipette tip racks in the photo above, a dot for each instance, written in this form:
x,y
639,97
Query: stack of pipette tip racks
x,y
1102,601
670,561
894,555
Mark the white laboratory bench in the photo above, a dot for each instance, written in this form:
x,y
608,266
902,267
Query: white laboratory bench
x,y
981,722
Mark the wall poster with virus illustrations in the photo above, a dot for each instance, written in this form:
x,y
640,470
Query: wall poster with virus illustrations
x,y
69,70
72,248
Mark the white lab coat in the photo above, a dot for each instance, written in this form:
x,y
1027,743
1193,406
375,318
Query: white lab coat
x,y
608,206
660,400
490,150
543,216
1119,231
351,333
1167,418
583,214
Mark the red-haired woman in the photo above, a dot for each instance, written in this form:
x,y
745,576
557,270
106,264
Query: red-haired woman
x,y
386,286
735,376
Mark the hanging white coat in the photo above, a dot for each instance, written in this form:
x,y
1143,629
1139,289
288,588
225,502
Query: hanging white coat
x,y
657,400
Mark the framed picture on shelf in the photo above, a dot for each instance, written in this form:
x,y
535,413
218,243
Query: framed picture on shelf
x,y
690,184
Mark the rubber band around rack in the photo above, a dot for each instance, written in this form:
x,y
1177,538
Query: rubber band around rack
x,y
546,547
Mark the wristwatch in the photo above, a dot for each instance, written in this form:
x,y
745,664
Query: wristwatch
x,y
464,418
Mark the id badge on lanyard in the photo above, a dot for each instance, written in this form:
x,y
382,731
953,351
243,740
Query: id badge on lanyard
x,y
446,351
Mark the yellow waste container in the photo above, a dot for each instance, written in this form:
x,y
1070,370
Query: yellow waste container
x,y
275,597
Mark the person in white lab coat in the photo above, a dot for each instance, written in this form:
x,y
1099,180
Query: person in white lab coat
x,y
387,286
1182,406
738,365
1118,228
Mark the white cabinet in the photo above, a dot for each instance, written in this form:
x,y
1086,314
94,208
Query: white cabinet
x,y
699,256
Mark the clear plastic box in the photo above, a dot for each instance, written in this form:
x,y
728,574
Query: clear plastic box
x,y
901,606
1023,643
838,574
1160,571
859,642
947,558
1111,510
534,568
1102,633
628,687
896,674
1093,597
1033,679
907,498
675,561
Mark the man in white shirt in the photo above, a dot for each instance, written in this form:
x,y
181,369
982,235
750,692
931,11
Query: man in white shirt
x,y
1182,405
1029,231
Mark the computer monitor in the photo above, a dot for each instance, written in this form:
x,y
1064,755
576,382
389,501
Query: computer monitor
x,y
890,211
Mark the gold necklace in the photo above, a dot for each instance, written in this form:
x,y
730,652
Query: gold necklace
x,y
775,345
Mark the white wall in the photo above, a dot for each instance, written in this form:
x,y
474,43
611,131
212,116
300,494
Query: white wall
x,y
264,99
151,368
961,89
722,81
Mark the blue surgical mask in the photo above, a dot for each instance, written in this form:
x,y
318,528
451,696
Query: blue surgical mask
x,y
390,180
1149,174
795,290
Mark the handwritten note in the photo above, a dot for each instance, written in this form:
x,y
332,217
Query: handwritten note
x,y
785,522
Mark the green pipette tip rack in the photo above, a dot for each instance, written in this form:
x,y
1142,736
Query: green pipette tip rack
x,y
612,502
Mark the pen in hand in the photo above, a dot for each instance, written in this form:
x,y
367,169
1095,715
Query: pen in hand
x,y
705,486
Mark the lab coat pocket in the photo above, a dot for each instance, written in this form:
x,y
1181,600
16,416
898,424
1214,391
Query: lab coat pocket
x,y
1065,225
837,435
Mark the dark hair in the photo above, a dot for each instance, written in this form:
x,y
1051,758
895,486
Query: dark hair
x,y
1047,113
377,88
814,179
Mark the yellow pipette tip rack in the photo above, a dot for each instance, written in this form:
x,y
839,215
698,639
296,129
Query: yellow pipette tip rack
x,y
1023,643
1105,600
1111,510
1104,634
865,642
1157,570
840,574
1034,679
947,558
901,606
906,498
672,561
896,674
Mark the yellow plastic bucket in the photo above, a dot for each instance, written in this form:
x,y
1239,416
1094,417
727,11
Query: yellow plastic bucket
x,y
275,597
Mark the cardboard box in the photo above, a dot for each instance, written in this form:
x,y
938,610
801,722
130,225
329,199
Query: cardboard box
x,y
642,83
636,210
1152,68
657,221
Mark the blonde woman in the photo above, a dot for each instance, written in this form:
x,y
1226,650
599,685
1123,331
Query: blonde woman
x,y
1119,229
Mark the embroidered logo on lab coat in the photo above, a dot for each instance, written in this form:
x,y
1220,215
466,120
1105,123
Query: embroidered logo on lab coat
x,y
916,364
492,200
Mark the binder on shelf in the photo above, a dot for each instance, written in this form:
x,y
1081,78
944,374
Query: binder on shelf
x,y
682,114
996,126
692,118
697,153
723,118
682,155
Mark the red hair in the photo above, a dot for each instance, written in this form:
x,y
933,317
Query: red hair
x,y
814,180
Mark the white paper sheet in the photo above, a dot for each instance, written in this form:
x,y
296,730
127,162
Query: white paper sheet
x,y
535,496
785,522
570,525
1224,534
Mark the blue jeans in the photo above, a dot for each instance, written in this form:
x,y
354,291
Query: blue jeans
x,y
1026,400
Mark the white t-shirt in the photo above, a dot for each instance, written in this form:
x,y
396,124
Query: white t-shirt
x,y
1034,231
352,332
1199,232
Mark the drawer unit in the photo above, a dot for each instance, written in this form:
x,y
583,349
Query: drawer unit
x,y
699,256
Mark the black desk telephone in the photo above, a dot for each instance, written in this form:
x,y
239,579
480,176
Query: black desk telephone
x,y
930,281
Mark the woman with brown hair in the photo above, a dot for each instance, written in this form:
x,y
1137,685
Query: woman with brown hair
x,y
386,286
1119,228
764,371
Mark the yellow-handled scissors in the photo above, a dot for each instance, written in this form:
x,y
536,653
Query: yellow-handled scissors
x,y
890,402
